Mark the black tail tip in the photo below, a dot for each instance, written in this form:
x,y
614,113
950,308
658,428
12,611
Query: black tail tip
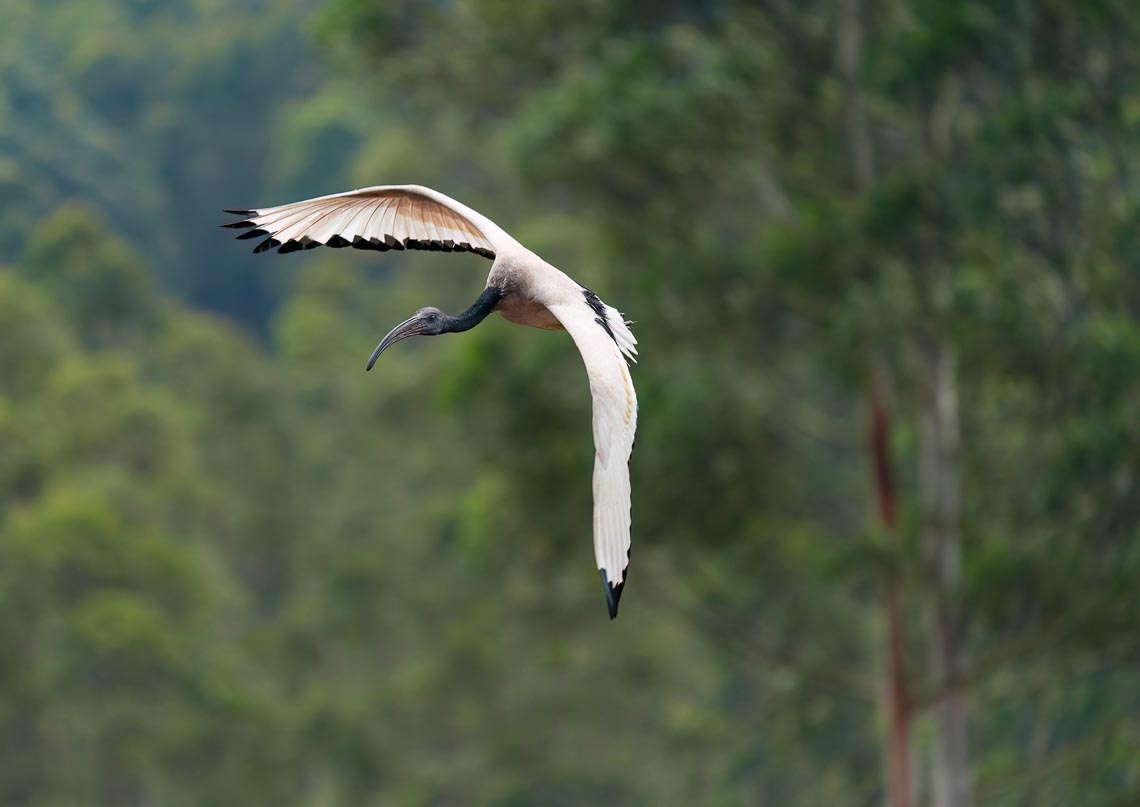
x,y
613,593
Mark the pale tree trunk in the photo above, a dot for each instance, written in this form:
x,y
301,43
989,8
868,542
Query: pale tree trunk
x,y
849,47
941,490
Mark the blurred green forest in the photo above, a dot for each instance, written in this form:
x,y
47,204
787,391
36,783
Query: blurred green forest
x,y
882,259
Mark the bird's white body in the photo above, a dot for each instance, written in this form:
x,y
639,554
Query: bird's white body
x,y
533,293
527,281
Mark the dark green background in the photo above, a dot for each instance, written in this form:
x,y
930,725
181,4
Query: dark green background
x,y
237,570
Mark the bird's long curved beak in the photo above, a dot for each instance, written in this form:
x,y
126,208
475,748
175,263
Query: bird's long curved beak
x,y
410,327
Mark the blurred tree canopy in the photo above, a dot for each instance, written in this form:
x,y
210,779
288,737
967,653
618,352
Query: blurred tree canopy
x,y
235,569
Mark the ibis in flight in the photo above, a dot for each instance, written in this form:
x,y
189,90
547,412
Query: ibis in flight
x,y
522,287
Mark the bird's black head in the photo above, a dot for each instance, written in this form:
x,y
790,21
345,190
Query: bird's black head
x,y
432,320
426,322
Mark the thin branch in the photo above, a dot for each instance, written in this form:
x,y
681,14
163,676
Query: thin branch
x,y
1011,651
987,790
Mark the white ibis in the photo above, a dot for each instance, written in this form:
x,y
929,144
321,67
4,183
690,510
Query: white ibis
x,y
522,287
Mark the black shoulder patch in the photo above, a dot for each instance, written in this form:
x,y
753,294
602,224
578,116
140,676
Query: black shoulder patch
x,y
599,308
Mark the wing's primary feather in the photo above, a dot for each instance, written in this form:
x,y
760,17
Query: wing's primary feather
x,y
383,217
603,346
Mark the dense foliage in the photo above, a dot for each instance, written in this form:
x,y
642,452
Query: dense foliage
x,y
235,569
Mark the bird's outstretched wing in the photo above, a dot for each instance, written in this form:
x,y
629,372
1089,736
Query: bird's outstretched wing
x,y
605,341
380,218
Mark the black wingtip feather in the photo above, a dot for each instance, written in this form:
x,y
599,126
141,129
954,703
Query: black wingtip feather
x,y
238,225
613,593
268,243
252,234
241,212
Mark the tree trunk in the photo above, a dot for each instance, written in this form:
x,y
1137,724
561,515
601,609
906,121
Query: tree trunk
x,y
896,701
895,693
940,485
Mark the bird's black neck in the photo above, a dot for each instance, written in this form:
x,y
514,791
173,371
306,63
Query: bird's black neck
x,y
477,312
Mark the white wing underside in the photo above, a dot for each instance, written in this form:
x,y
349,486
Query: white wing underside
x,y
615,422
379,218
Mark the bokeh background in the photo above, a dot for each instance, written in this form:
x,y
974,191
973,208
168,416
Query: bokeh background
x,y
882,260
